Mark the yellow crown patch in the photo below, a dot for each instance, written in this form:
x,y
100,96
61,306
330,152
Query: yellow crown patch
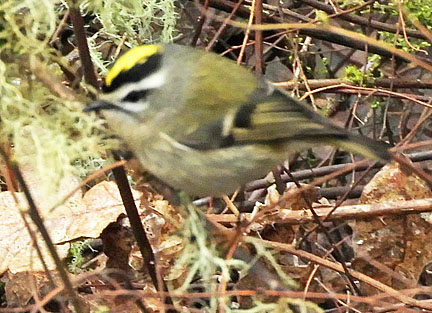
x,y
130,59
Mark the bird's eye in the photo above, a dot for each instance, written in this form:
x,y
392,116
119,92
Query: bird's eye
x,y
135,96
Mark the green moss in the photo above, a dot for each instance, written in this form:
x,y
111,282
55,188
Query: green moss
x,y
75,257
420,9
322,17
401,43
102,309
376,103
358,77
346,4
416,9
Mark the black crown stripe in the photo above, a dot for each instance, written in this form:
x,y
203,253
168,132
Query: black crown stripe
x,y
135,73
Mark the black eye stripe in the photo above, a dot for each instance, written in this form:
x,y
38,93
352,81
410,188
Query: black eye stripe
x,y
135,96
135,73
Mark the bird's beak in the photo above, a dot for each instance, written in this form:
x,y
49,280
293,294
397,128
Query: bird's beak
x,y
100,105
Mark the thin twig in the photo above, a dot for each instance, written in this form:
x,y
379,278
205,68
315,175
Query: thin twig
x,y
363,21
223,26
357,211
51,81
326,233
83,49
338,267
259,63
201,21
247,31
137,228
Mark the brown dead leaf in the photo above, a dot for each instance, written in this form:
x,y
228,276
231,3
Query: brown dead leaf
x,y
21,287
160,220
85,218
400,245
119,304
124,304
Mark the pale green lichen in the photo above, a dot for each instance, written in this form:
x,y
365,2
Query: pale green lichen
x,y
202,258
201,255
48,134
140,23
131,23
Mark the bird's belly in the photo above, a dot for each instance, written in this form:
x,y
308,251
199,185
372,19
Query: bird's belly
x,y
209,172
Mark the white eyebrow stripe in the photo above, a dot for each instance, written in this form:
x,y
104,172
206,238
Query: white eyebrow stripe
x,y
155,80
135,106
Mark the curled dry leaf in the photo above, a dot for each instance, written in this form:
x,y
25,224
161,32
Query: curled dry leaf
x,y
275,206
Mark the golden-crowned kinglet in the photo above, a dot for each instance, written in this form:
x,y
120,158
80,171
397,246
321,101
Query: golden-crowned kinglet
x,y
205,125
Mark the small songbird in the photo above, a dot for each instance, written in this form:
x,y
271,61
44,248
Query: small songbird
x,y
204,125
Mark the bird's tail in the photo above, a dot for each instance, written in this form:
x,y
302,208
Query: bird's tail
x,y
365,146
